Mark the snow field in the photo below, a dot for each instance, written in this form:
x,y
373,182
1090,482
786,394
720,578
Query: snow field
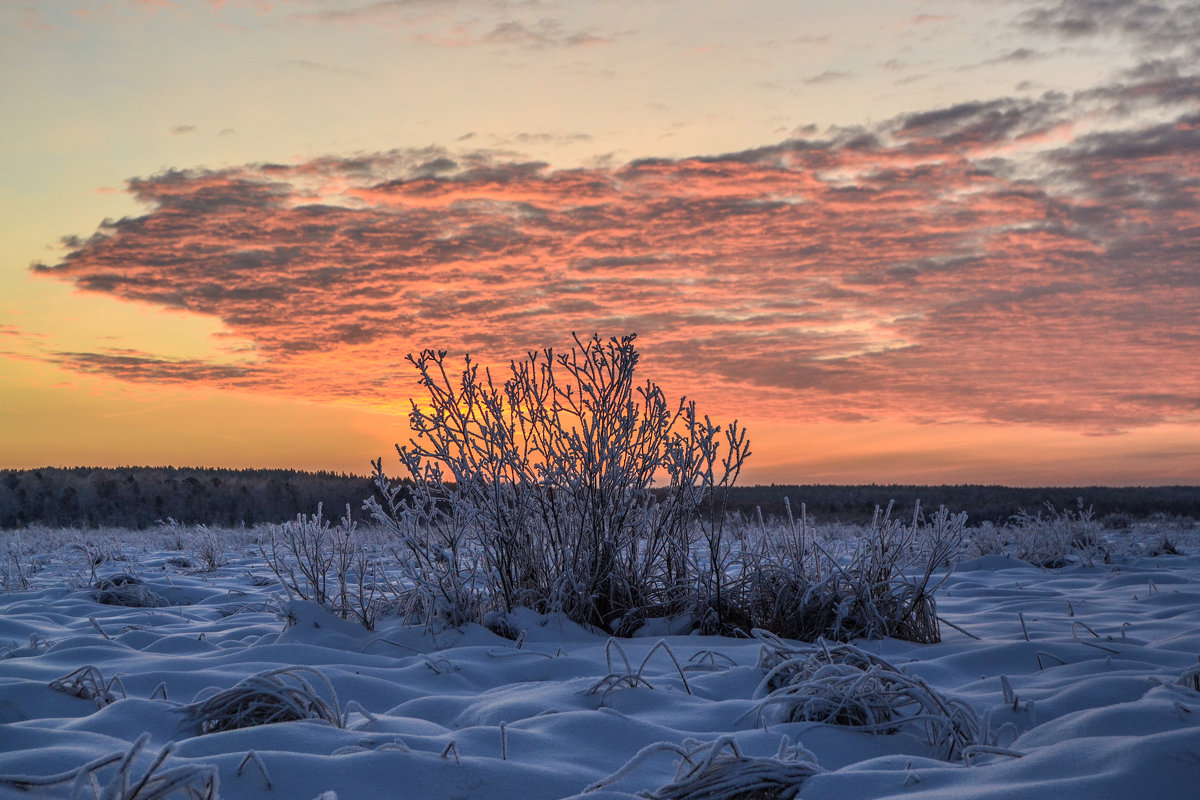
x,y
1082,680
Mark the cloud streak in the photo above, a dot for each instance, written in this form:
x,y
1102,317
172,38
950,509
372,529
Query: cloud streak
x,y
992,261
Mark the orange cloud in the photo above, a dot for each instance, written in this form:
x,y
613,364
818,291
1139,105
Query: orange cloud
x,y
983,262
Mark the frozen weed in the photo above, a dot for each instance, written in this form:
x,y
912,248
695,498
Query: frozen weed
x,y
189,781
175,535
17,565
85,554
988,540
88,683
1190,678
1054,540
1163,546
629,678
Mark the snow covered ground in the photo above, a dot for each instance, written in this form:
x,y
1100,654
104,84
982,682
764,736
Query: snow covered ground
x,y
1079,675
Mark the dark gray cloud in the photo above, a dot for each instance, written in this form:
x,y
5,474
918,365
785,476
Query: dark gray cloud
x,y
317,66
544,33
1152,24
828,76
131,366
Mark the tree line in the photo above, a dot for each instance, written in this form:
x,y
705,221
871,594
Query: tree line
x,y
982,503
141,497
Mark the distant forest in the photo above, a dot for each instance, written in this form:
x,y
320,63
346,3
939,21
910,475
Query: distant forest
x,y
141,497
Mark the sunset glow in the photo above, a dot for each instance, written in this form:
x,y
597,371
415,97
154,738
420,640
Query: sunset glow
x,y
927,242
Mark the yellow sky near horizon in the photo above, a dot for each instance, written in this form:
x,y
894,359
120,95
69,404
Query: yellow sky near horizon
x,y
928,242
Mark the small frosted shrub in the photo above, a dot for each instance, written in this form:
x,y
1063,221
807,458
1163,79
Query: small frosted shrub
x,y
315,560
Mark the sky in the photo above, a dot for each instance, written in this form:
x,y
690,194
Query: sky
x,y
900,242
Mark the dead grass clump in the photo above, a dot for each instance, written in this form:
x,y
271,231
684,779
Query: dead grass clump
x,y
124,589
1164,547
278,695
844,685
719,770
723,772
884,588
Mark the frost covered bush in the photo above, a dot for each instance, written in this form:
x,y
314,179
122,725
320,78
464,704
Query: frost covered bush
x,y
536,491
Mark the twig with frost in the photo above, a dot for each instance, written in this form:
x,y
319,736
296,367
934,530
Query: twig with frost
x,y
254,757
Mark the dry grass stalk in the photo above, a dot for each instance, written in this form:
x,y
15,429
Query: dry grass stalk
x,y
88,683
189,782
